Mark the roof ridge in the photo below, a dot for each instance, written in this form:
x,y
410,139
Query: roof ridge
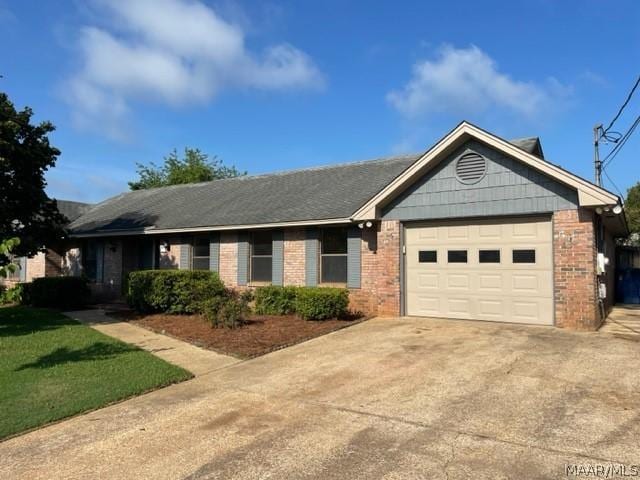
x,y
394,158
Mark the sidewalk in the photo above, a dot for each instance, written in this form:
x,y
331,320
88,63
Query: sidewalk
x,y
623,320
194,359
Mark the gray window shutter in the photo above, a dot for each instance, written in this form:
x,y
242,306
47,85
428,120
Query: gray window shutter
x,y
311,257
243,257
99,262
353,257
185,255
214,252
277,259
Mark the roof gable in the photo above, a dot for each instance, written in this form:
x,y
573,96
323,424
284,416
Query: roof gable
x,y
588,193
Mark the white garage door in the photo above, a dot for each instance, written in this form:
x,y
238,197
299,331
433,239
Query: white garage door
x,y
498,270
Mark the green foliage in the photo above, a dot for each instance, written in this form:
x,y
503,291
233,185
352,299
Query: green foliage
x,y
57,292
311,303
229,311
319,303
6,250
53,367
194,167
632,209
172,291
11,296
26,211
274,300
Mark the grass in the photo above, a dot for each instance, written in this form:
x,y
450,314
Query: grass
x,y
52,367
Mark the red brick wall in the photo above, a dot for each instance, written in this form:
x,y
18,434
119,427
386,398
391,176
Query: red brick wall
x,y
364,299
388,269
575,270
294,255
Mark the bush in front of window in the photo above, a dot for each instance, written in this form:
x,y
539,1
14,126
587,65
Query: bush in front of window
x,y
321,303
57,292
229,311
274,300
173,291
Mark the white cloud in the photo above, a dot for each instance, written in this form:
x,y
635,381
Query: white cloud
x,y
467,81
176,52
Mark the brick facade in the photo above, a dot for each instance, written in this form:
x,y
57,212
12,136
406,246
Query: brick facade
x,y
294,255
229,258
575,281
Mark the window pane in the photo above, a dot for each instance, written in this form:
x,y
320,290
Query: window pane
x,y
261,269
334,240
457,256
524,256
489,256
334,269
201,263
428,256
201,246
261,243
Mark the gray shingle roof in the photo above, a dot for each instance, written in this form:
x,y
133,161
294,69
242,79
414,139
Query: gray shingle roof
x,y
322,193
311,194
530,145
73,210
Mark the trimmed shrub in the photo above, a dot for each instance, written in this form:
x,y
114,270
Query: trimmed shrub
x,y
320,303
274,300
57,292
173,291
230,310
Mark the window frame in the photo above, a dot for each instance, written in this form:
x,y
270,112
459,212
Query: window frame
x,y
457,250
535,256
194,256
499,250
321,255
252,255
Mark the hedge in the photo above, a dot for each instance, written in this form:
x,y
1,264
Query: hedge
x,y
310,303
273,300
172,291
57,292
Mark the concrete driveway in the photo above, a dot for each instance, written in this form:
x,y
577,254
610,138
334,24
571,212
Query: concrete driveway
x,y
396,399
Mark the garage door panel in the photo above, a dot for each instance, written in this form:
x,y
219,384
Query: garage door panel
x,y
497,289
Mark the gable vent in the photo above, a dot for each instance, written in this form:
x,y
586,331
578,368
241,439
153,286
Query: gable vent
x,y
471,167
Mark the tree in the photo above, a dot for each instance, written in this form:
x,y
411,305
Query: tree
x,y
26,212
194,167
632,209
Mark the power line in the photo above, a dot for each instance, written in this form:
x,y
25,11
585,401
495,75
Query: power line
x,y
623,106
613,183
612,154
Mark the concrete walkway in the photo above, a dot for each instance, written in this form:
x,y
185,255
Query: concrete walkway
x,y
197,360
623,320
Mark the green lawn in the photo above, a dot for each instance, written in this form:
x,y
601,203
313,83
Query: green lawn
x,y
52,367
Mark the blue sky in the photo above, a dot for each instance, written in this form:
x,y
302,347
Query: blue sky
x,y
277,85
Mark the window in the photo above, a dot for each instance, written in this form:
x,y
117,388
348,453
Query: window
x,y
200,253
261,266
428,256
489,256
93,260
333,255
524,256
457,256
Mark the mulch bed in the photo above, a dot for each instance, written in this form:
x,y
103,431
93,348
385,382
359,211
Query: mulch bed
x,y
262,333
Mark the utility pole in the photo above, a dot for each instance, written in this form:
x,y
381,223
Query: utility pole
x,y
596,153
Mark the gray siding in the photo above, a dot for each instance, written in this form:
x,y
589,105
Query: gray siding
x,y
214,252
185,255
243,257
311,257
353,257
277,274
509,187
